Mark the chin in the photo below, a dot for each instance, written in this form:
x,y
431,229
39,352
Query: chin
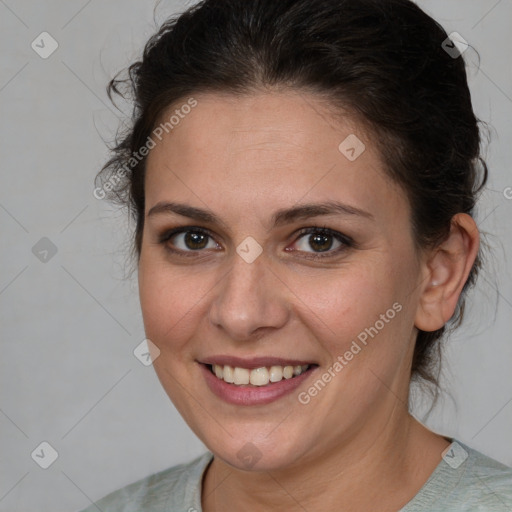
x,y
255,451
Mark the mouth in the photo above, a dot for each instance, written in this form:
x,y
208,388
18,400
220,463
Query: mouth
x,y
262,376
257,381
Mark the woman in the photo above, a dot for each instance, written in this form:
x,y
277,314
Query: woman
x,y
303,176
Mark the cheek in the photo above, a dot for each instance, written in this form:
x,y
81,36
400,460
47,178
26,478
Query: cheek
x,y
352,298
171,301
364,318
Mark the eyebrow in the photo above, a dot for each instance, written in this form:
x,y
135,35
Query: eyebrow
x,y
280,217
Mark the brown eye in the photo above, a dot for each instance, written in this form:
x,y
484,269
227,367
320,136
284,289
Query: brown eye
x,y
322,240
194,240
188,240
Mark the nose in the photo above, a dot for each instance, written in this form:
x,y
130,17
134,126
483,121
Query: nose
x,y
250,300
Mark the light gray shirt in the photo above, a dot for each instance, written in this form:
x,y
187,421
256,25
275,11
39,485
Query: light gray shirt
x,y
464,481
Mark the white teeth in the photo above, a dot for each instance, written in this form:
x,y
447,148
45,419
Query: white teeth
x,y
227,373
241,376
257,377
276,373
288,372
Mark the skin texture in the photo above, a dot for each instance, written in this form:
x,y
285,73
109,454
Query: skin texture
x,y
354,444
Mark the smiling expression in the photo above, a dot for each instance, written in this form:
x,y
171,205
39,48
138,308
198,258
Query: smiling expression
x,y
262,175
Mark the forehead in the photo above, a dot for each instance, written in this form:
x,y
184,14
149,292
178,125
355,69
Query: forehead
x,y
274,123
264,149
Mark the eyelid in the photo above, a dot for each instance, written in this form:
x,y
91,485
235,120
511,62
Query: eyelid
x,y
326,231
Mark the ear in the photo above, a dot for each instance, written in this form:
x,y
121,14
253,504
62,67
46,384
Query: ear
x,y
445,272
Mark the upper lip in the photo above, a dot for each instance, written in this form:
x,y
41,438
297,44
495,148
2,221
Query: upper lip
x,y
253,362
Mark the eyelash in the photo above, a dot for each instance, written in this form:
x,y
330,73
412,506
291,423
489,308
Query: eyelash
x,y
346,241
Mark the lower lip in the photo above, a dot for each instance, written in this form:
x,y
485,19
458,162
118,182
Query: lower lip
x,y
253,395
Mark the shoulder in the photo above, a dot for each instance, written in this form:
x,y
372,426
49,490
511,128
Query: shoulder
x,y
178,486
465,481
487,480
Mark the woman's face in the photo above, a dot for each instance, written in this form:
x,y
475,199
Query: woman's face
x,y
249,282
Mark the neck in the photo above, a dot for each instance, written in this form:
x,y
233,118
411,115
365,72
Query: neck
x,y
386,464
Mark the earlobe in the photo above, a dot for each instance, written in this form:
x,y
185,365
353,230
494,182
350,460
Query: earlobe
x,y
446,271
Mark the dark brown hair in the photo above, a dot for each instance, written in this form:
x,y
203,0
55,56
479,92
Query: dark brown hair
x,y
383,60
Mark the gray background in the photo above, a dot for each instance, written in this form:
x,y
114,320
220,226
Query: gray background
x,y
69,325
